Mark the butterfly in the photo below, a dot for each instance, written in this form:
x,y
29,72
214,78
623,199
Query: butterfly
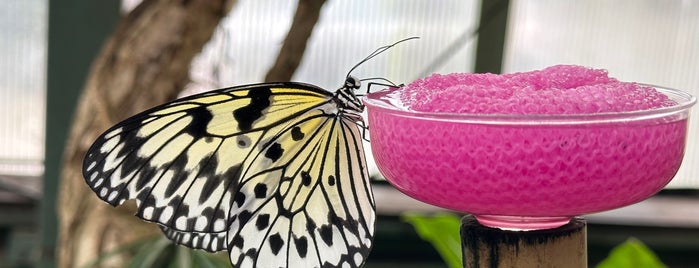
x,y
274,173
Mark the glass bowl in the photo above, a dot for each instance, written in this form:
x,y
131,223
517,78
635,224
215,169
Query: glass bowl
x,y
528,172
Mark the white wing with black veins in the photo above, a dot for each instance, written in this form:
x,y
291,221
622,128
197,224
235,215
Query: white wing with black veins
x,y
275,173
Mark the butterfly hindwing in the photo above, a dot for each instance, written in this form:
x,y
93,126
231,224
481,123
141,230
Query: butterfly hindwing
x,y
317,215
211,242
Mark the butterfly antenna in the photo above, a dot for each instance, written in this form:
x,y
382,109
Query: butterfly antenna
x,y
379,51
378,78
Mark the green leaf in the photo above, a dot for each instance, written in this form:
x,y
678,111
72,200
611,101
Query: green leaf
x,y
442,230
632,254
183,257
204,259
150,253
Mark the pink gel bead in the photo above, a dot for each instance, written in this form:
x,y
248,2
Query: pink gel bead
x,y
561,89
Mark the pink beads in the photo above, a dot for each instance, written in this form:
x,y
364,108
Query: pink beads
x,y
561,89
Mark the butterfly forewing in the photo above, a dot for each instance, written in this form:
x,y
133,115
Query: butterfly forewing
x,y
181,161
275,173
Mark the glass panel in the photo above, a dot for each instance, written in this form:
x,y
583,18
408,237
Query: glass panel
x,y
346,33
22,83
647,41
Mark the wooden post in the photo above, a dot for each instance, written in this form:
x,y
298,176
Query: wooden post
x,y
565,246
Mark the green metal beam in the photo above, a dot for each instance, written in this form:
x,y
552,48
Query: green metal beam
x,y
18,215
76,31
491,36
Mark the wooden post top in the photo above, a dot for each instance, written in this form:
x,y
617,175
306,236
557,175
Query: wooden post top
x,y
565,246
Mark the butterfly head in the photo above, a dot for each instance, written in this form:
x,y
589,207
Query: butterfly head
x,y
346,98
352,83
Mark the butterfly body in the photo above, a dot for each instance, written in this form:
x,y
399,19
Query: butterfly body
x,y
274,173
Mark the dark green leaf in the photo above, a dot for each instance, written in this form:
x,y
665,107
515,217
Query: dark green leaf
x,y
442,230
631,254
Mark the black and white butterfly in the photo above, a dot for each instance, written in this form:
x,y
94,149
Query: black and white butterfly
x,y
274,173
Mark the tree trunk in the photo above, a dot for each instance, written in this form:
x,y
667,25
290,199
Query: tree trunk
x,y
291,53
145,62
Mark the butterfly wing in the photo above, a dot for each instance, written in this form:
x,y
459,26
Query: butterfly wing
x,y
182,161
320,213
211,242
275,169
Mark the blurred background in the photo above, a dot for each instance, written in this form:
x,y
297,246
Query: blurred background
x,y
47,48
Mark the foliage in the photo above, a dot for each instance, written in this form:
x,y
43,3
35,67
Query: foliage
x,y
631,254
442,230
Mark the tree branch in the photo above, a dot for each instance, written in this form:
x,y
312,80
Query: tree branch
x,y
145,62
291,53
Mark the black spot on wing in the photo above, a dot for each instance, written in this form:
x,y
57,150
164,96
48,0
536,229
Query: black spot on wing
x,y
274,152
182,210
331,180
238,242
262,222
176,201
239,199
326,233
306,179
352,225
146,199
200,120
208,213
214,181
131,142
145,175
301,246
220,214
244,216
248,114
207,172
243,141
276,243
310,225
213,214
131,161
297,134
260,190
180,175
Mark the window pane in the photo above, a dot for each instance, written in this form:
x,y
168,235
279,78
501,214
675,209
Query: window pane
x,y
346,33
647,41
22,83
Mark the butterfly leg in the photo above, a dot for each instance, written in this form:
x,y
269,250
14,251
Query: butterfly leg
x,y
390,84
365,130
359,121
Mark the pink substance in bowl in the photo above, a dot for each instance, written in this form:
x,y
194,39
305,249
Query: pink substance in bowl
x,y
521,151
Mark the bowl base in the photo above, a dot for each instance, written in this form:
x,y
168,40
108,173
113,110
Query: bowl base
x,y
521,223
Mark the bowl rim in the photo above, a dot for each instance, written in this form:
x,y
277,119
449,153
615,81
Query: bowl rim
x,y
679,111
